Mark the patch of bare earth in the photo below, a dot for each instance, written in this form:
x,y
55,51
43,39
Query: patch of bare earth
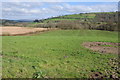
x,y
14,31
103,47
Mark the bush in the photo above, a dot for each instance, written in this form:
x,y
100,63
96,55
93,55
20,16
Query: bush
x,y
65,24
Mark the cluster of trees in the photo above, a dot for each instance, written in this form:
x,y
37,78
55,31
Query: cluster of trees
x,y
4,22
107,17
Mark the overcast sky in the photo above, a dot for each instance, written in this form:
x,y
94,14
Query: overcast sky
x,y
38,10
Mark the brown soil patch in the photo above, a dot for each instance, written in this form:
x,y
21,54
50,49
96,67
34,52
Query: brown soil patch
x,y
15,31
96,75
103,47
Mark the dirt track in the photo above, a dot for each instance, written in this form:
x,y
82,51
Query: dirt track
x,y
14,31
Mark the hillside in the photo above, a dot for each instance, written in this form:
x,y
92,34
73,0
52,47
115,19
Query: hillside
x,y
98,21
5,22
83,16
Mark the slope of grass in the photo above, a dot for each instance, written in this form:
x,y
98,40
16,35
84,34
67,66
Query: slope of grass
x,y
58,54
72,17
59,19
89,15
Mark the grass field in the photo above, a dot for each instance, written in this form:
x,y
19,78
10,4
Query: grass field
x,y
72,17
58,54
90,15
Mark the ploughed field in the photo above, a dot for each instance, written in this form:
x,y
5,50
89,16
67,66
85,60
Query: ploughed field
x,y
59,54
14,31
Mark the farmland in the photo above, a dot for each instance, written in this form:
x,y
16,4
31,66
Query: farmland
x,y
58,54
41,39
81,45
15,31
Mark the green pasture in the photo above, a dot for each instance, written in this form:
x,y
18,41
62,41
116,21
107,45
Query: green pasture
x,y
55,54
